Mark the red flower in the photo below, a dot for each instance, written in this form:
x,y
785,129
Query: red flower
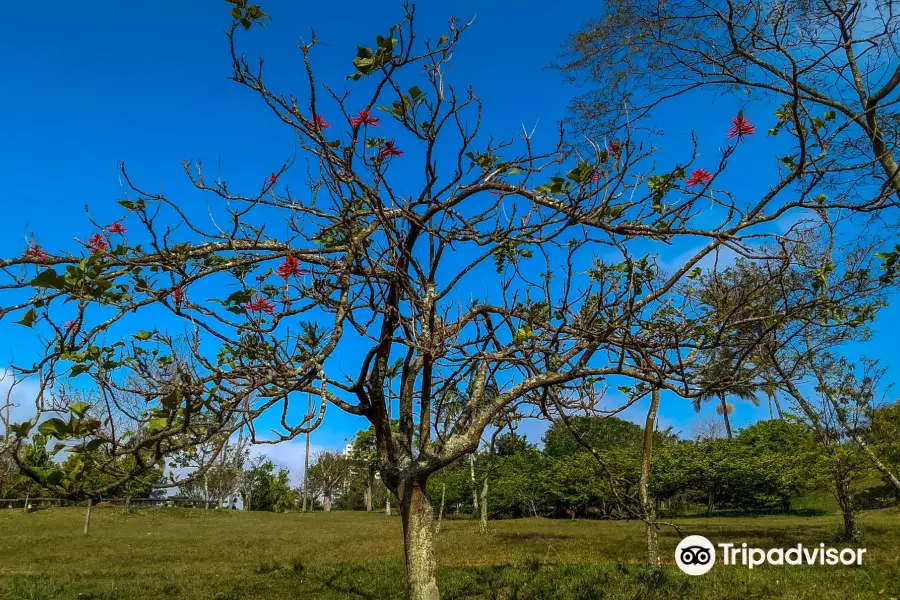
x,y
178,297
260,305
35,251
613,148
363,119
318,122
740,126
595,176
290,267
388,149
272,179
97,244
117,228
700,176
70,325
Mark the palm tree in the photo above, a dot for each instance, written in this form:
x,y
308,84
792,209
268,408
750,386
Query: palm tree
x,y
770,390
721,378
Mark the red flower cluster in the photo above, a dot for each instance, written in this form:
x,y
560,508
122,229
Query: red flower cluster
x,y
260,304
363,119
389,149
700,176
318,122
614,148
117,228
35,251
178,297
272,179
97,244
740,126
70,325
290,267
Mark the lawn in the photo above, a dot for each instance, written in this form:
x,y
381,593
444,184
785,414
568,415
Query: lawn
x,y
223,555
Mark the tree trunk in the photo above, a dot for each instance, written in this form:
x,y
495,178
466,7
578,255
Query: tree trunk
x,y
206,491
725,416
370,484
648,512
443,498
845,501
387,507
326,502
484,505
777,406
87,516
306,498
25,509
771,410
709,504
418,542
474,485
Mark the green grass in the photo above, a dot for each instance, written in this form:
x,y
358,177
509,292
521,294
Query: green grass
x,y
224,555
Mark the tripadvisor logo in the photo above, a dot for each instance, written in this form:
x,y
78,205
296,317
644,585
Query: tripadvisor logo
x,y
696,555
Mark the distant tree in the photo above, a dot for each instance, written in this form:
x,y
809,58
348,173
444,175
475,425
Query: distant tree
x,y
883,435
722,377
268,487
603,434
329,475
708,429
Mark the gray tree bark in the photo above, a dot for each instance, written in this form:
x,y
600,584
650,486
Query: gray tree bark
x,y
87,516
418,542
474,485
648,511
443,498
484,505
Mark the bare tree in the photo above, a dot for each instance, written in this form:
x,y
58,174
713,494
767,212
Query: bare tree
x,y
443,256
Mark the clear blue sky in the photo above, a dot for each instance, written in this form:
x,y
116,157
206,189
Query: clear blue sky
x,y
89,84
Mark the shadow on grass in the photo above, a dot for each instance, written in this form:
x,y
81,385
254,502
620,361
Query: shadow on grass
x,y
530,581
737,514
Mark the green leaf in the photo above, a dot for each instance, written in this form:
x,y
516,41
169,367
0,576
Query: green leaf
x,y
49,279
79,409
143,335
157,424
28,319
56,428
94,445
171,400
21,429
78,370
55,477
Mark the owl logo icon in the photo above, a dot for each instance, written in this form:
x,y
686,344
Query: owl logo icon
x,y
695,555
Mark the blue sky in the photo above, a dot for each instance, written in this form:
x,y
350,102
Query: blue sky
x,y
90,84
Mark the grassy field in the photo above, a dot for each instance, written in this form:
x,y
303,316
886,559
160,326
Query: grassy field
x,y
213,555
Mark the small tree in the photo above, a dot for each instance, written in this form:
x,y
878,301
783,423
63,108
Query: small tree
x,y
328,476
